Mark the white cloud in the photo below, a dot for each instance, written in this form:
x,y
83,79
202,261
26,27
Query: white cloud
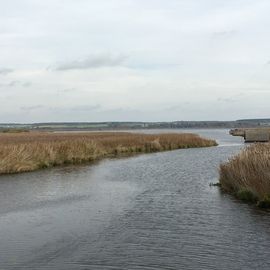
x,y
132,60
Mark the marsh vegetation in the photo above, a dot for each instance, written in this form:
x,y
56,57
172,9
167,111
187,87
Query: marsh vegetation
x,y
247,175
35,150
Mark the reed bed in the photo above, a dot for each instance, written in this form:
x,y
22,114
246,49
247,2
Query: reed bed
x,y
247,175
35,150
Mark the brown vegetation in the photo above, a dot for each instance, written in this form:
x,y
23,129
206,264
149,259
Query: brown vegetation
x,y
14,130
247,175
31,151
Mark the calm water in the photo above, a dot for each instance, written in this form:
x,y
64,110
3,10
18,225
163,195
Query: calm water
x,y
154,211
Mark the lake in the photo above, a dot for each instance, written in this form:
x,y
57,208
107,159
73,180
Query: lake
x,y
152,211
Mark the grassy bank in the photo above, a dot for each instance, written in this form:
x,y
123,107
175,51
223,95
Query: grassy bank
x,y
32,151
247,175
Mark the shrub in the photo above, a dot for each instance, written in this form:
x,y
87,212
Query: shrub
x,y
246,195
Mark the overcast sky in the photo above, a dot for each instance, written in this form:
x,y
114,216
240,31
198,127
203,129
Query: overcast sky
x,y
134,60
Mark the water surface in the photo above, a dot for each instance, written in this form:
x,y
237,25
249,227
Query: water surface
x,y
154,211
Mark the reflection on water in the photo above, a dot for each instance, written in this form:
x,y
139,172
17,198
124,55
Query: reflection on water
x,y
154,211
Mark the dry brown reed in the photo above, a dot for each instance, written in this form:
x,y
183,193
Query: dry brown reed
x,y
248,174
35,150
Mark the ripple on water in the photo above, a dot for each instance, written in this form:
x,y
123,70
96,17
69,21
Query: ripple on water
x,y
152,211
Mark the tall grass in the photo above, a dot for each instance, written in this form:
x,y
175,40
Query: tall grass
x,y
31,151
247,175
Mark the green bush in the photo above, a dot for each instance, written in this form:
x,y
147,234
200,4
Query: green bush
x,y
246,196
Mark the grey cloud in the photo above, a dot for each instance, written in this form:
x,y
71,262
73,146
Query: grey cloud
x,y
5,71
86,108
83,108
26,84
94,61
67,90
16,83
178,107
32,108
75,109
227,100
13,83
223,34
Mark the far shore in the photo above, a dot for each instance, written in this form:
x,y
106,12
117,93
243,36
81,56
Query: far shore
x,y
30,151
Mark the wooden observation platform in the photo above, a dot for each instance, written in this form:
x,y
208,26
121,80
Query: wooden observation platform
x,y
252,134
